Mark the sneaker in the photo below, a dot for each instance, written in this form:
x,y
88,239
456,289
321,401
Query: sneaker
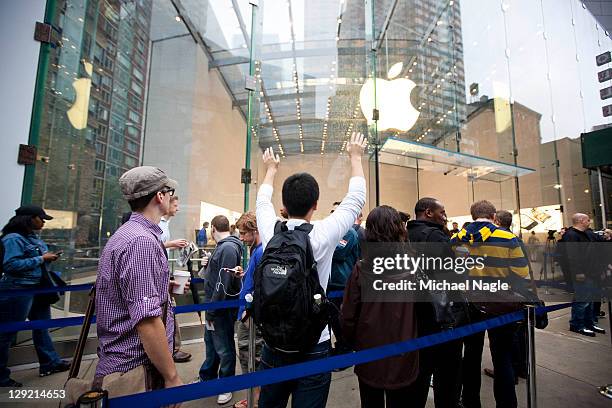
x,y
584,332
224,398
181,357
602,314
57,368
598,329
12,383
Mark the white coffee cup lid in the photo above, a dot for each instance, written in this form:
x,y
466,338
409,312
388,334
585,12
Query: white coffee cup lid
x,y
181,273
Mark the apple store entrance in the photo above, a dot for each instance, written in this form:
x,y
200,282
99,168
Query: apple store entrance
x,y
201,88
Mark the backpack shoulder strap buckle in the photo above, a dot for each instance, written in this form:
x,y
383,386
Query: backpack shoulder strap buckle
x,y
280,226
305,227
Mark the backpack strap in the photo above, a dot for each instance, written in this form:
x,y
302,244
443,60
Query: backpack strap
x,y
280,226
78,352
305,227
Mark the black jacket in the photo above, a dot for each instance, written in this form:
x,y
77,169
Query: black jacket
x,y
442,309
574,254
426,231
228,254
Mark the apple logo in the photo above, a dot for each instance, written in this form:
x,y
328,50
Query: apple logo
x,y
77,114
394,106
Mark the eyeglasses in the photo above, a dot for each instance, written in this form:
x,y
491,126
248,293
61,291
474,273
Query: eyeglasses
x,y
168,190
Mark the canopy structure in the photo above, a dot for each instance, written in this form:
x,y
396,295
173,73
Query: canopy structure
x,y
405,153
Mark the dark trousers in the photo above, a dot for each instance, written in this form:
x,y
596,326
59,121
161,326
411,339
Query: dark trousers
x,y
444,363
306,392
596,311
519,351
220,347
500,343
410,396
583,314
470,370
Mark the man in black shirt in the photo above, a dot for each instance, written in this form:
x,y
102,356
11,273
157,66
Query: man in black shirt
x,y
578,266
444,360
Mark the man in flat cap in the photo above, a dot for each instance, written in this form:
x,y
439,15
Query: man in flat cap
x,y
134,316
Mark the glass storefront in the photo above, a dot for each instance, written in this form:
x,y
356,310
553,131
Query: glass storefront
x,y
461,100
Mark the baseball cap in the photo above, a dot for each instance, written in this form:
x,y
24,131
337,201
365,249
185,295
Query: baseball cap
x,y
144,180
34,211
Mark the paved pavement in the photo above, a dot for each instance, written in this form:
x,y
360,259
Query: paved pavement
x,y
570,367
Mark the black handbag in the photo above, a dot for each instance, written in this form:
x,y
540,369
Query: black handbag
x,y
50,279
450,308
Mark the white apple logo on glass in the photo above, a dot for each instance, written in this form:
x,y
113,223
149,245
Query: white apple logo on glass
x,y
394,106
77,114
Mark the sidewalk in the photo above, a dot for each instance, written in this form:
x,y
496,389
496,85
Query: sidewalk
x,y
570,368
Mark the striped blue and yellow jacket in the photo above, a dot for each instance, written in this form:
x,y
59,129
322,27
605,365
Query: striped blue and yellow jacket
x,y
501,249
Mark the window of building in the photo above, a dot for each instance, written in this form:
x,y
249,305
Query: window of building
x,y
136,88
130,161
107,81
134,117
100,148
124,60
99,166
114,155
102,113
117,122
131,146
133,132
138,75
140,46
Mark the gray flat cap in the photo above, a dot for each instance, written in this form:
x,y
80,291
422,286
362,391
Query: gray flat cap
x,y
144,180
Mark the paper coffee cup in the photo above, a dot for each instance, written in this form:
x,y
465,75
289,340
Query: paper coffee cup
x,y
180,278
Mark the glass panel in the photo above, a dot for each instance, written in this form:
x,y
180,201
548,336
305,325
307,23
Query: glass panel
x,y
313,65
487,88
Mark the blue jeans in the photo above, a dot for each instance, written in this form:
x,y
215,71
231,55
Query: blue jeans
x,y
582,308
16,309
220,347
306,392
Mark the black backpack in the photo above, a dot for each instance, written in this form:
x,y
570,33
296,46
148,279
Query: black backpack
x,y
286,282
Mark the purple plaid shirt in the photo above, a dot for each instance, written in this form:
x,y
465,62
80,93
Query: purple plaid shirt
x,y
132,284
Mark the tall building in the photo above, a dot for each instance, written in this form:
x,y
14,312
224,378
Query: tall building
x,y
425,37
91,129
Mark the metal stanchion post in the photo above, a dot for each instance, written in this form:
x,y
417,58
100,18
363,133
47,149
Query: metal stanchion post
x,y
251,363
531,358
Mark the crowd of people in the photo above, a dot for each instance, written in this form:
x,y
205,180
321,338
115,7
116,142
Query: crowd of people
x,y
135,303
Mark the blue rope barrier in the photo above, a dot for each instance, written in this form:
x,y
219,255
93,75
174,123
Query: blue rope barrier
x,y
77,321
229,384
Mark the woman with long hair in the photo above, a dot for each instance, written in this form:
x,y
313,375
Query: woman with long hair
x,y
25,256
372,324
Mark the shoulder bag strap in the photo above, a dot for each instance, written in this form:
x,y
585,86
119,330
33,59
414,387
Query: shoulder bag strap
x,y
78,353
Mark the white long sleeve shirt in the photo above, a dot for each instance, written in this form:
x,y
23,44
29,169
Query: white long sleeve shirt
x,y
164,224
325,233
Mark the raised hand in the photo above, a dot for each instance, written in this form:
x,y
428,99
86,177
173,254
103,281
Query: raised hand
x,y
356,145
271,160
